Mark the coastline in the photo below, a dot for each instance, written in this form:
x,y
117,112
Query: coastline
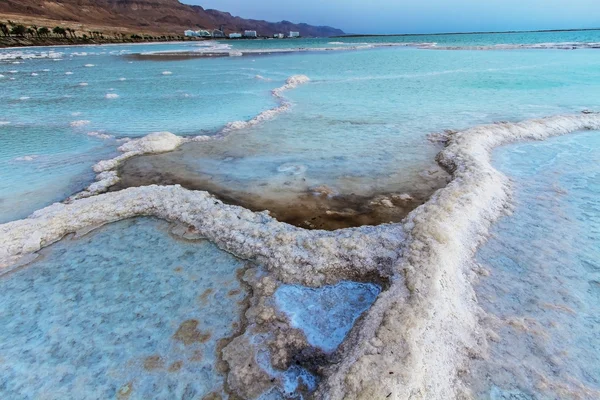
x,y
15,42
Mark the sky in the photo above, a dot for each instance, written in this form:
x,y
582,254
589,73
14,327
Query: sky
x,y
419,16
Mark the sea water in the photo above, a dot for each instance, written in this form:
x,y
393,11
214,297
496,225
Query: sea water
x,y
127,311
360,126
543,288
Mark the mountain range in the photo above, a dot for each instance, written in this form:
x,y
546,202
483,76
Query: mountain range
x,y
158,16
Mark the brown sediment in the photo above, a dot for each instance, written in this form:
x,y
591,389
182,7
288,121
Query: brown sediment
x,y
197,356
174,56
311,208
125,391
154,362
189,334
212,396
176,366
238,329
187,55
204,296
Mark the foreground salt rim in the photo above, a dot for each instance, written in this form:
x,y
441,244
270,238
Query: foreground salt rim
x,y
161,142
416,339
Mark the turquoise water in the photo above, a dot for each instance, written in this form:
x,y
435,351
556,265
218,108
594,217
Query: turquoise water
x,y
100,315
359,126
544,282
327,314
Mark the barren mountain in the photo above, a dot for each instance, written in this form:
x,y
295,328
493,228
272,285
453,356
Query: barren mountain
x,y
161,16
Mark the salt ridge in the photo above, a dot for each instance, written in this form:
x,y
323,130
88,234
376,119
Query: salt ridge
x,y
160,142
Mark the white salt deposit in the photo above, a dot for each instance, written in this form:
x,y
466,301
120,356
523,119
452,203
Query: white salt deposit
x,y
34,74
122,79
291,83
89,65
167,73
100,135
27,158
79,123
23,98
111,96
68,73
165,141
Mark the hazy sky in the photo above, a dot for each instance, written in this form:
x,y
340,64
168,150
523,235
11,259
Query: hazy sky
x,y
419,16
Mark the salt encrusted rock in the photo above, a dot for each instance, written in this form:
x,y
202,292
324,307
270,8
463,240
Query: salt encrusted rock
x,y
158,142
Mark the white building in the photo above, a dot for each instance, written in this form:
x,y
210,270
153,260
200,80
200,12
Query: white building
x,y
235,35
278,36
250,34
294,34
190,33
203,33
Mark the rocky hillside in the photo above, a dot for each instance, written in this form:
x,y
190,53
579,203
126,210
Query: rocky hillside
x,y
160,16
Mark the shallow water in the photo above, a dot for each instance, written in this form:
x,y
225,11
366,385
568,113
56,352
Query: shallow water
x,y
543,284
362,131
359,127
114,314
327,314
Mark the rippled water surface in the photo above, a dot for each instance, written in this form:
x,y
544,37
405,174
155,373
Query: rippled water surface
x,y
543,288
359,126
125,311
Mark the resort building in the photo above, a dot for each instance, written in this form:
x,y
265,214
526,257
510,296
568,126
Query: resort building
x,y
294,34
200,33
235,35
250,34
218,34
278,36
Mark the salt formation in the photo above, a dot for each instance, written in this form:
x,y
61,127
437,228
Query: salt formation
x,y
79,123
161,142
27,158
416,339
291,83
111,96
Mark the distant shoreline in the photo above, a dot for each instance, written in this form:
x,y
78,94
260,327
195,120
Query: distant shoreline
x,y
358,35
19,42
